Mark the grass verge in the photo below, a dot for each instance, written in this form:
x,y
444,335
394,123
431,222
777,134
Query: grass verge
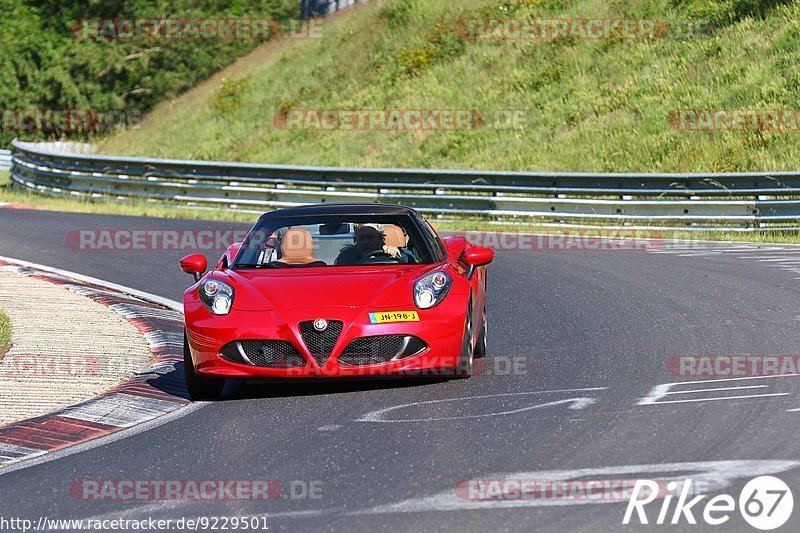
x,y
5,334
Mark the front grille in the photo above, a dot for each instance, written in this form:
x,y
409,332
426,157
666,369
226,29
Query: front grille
x,y
321,344
272,353
372,350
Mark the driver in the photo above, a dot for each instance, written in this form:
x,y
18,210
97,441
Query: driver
x,y
369,239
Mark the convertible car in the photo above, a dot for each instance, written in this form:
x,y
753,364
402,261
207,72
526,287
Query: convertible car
x,y
335,291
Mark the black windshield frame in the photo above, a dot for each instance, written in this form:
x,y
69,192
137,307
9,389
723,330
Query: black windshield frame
x,y
424,241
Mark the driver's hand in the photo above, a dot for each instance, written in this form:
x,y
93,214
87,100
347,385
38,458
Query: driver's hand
x,y
393,251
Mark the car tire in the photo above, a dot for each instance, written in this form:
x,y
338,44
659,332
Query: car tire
x,y
480,346
464,369
199,388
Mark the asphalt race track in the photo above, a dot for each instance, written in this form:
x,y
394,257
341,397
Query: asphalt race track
x,y
591,333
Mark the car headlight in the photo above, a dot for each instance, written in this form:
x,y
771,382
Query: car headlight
x,y
217,296
431,289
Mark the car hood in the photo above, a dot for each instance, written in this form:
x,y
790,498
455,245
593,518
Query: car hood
x,y
257,290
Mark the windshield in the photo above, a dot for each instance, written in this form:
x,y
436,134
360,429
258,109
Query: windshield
x,y
331,241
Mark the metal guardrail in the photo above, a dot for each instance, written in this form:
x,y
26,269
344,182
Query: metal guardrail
x,y
755,200
5,159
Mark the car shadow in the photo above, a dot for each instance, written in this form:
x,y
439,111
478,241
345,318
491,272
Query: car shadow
x,y
169,379
239,390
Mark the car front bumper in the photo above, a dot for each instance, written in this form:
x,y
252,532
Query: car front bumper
x,y
440,328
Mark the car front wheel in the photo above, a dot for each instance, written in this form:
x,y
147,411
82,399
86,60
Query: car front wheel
x,y
199,388
480,346
464,369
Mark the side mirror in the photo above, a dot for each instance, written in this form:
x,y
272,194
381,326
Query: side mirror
x,y
194,264
476,256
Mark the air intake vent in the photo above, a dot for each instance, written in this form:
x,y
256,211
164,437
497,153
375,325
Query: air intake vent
x,y
267,353
275,354
321,343
380,349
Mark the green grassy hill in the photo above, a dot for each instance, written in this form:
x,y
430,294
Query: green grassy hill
x,y
591,105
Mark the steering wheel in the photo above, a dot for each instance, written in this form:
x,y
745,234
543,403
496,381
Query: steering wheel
x,y
377,257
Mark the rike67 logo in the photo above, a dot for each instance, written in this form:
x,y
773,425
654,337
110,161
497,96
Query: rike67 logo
x,y
765,503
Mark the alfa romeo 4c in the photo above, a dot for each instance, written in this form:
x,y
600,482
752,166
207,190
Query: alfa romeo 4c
x,y
335,291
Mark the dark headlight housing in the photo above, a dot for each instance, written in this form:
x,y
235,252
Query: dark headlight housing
x,y
431,290
217,295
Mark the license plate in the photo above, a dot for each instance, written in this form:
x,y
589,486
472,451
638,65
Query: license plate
x,y
385,317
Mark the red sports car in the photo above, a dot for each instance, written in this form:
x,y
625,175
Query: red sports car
x,y
335,291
